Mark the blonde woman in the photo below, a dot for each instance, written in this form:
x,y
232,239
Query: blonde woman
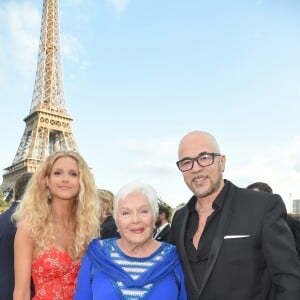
x,y
56,220
108,228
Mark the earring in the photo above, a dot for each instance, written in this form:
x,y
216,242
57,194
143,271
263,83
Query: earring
x,y
48,195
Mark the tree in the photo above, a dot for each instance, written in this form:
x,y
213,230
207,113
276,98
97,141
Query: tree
x,y
3,204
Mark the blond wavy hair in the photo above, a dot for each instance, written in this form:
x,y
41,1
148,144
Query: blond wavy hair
x,y
108,197
35,207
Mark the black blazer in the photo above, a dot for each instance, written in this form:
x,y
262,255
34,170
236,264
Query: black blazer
x,y
164,234
256,245
294,225
7,235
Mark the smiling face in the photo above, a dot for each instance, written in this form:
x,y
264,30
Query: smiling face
x,y
202,181
135,219
63,180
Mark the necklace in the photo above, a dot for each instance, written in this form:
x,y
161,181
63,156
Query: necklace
x,y
205,210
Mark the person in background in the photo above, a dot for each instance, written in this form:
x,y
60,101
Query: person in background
x,y
162,226
292,222
134,266
108,228
56,220
229,237
7,235
260,187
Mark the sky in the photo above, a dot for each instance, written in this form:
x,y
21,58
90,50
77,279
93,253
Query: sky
x,y
138,75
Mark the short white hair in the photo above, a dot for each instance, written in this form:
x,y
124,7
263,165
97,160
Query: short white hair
x,y
137,188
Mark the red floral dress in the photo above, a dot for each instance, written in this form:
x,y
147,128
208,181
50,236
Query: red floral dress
x,y
54,275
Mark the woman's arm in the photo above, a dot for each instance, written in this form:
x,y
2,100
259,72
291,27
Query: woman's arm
x,y
84,280
23,250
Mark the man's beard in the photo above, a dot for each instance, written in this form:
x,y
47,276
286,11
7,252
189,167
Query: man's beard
x,y
214,187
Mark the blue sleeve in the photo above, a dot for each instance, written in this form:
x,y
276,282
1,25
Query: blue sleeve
x,y
84,282
182,292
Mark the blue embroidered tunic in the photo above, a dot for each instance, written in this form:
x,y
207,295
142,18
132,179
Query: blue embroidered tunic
x,y
107,273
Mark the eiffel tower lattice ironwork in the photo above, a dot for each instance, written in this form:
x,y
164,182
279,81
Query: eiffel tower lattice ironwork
x,y
48,124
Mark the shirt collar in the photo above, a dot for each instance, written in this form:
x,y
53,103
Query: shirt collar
x,y
159,229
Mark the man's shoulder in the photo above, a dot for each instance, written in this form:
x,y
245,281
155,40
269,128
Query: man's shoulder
x,y
255,200
182,209
254,194
6,215
180,213
166,227
293,222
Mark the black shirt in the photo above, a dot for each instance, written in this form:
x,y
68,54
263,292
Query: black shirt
x,y
198,257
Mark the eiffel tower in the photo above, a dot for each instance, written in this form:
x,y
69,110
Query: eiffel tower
x,y
48,124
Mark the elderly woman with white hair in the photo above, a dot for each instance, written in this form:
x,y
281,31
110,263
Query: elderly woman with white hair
x,y
134,266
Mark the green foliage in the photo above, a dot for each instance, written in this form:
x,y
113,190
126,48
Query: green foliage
x,y
161,202
3,204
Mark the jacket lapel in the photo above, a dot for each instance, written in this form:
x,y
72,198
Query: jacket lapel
x,y
184,258
219,236
163,232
